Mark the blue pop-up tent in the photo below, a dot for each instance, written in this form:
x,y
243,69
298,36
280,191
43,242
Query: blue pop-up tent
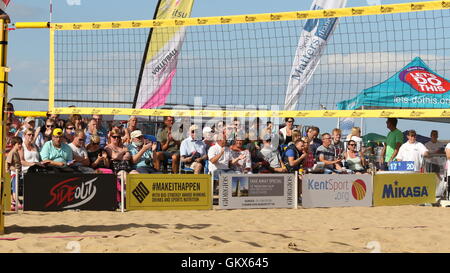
x,y
414,86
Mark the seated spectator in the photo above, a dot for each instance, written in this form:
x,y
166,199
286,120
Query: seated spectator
x,y
15,122
326,153
312,133
219,157
193,151
272,156
354,161
131,126
93,130
59,123
295,155
413,150
145,158
310,159
56,155
14,167
69,132
286,131
28,123
356,136
98,157
208,138
119,154
241,161
9,136
29,154
77,121
46,132
170,146
81,160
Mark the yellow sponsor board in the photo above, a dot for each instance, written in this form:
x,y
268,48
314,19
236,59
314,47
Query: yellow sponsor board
x,y
169,192
404,189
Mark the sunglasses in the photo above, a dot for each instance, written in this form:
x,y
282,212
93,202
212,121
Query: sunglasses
x,y
95,143
70,128
116,137
351,144
290,121
29,134
49,126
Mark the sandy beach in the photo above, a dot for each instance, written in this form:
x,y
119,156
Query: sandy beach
x,y
363,230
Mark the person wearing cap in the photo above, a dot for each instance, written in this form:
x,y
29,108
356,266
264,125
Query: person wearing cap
x,y
55,153
413,150
193,150
208,138
271,155
145,158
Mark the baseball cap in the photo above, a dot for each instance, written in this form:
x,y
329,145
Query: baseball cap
x,y
136,134
57,132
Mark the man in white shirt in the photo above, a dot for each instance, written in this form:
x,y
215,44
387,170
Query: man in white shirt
x,y
80,155
413,151
219,158
193,150
436,148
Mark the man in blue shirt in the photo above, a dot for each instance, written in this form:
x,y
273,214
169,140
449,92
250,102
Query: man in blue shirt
x,y
92,130
54,153
145,157
193,150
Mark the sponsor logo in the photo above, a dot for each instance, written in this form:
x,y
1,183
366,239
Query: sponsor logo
x,y
179,22
417,6
327,13
329,114
58,26
275,17
165,61
396,191
179,14
96,26
386,9
225,20
202,21
135,112
157,23
115,25
115,112
301,114
445,114
140,192
95,111
357,11
135,24
76,26
357,114
359,189
76,111
302,15
386,113
424,81
417,114
445,4
68,195
250,19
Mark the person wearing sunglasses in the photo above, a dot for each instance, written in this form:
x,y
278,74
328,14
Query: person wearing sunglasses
x,y
286,131
69,132
80,154
413,150
97,156
29,153
326,153
354,161
57,155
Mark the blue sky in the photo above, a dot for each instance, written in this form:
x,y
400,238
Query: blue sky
x,y
28,49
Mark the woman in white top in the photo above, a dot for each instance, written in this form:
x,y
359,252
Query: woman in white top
x,y
29,155
354,161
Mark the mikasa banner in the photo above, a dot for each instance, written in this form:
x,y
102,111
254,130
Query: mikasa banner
x,y
313,40
163,48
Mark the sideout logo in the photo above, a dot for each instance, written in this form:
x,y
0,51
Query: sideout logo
x,y
72,193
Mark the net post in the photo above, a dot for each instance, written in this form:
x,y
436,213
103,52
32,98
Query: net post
x,y
51,82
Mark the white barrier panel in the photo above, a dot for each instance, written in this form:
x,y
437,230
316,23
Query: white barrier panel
x,y
256,191
333,190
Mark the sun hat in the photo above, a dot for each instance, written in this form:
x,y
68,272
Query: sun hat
x,y
136,134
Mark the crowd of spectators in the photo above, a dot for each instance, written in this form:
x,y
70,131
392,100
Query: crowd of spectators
x,y
80,145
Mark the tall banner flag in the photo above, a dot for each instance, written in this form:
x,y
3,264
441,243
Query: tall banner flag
x,y
313,40
4,4
161,55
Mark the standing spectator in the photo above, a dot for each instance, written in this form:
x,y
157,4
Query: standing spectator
x,y
80,154
29,122
286,131
394,140
241,161
14,167
69,132
59,123
193,151
169,145
327,154
312,133
310,160
337,143
145,158
9,136
47,131
97,156
355,162
447,153
435,147
93,130
356,136
29,154
77,121
131,126
272,156
57,155
413,150
100,128
118,153
15,122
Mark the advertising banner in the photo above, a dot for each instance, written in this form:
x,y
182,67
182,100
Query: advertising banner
x,y
57,192
257,191
404,189
164,192
344,190
402,166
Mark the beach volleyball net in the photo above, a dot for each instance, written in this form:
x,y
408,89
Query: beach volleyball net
x,y
241,65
